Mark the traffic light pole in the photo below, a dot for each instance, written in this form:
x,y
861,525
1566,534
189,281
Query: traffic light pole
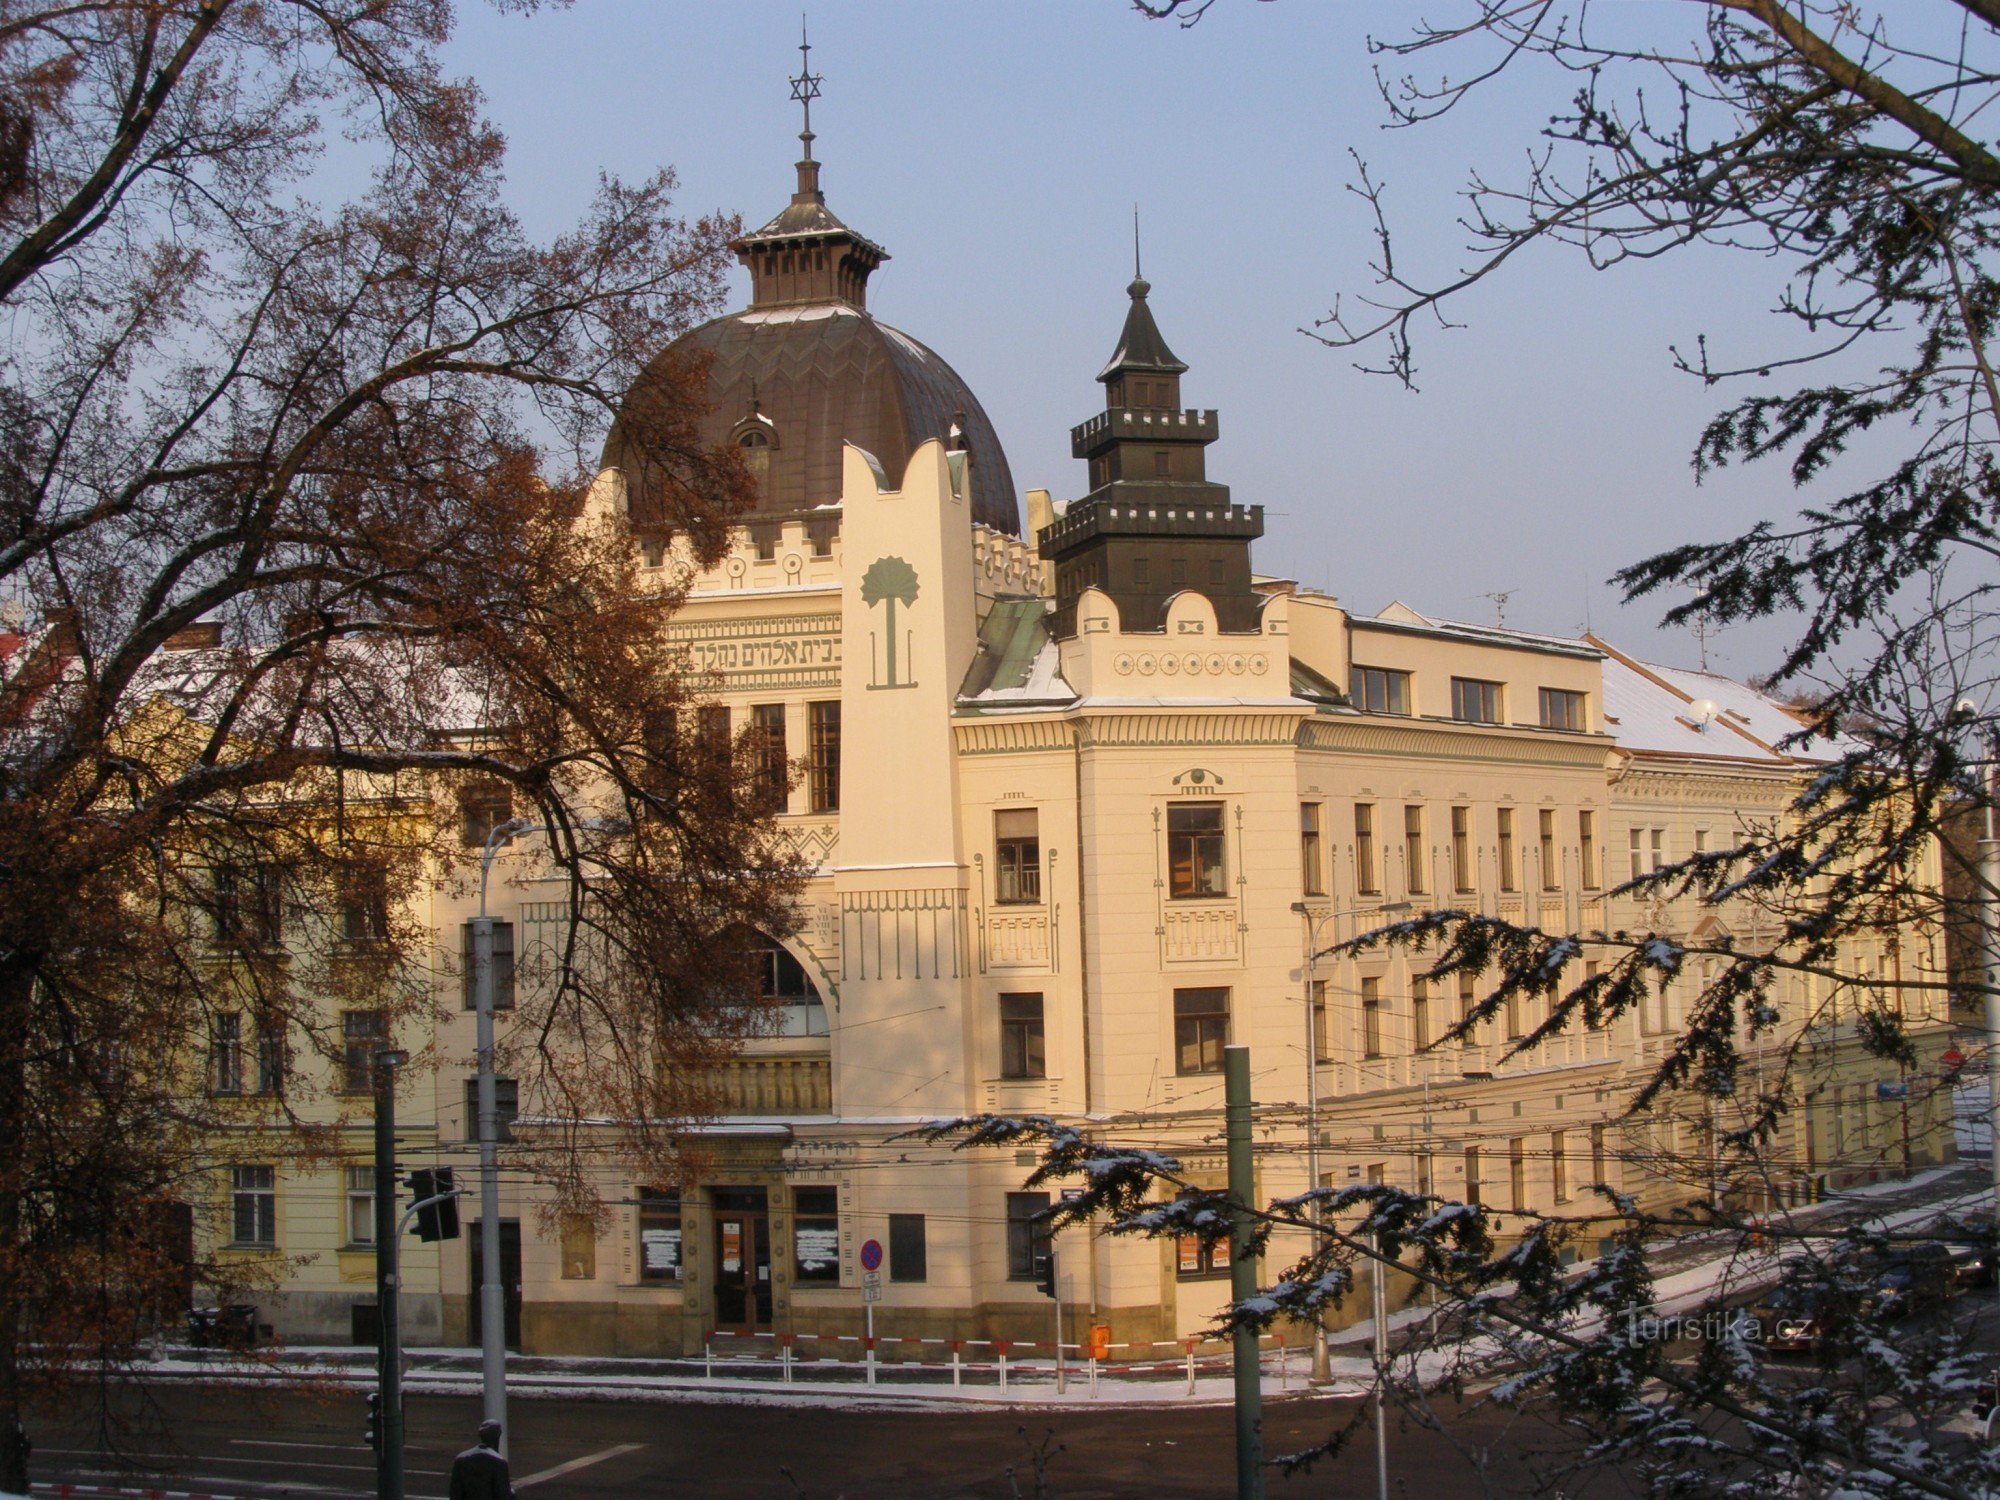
x,y
389,1361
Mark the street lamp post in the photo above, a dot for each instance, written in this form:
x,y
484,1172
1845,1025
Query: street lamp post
x,y
1315,926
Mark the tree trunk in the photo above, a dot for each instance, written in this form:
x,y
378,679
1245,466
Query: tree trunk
x,y
16,994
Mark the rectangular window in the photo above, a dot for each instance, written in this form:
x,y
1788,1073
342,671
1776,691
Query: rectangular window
x,y
361,1033
1562,709
271,1058
1551,870
1461,849
1426,1174
823,755
1017,855
1201,1030
1559,1165
1023,1046
361,1205
1366,881
908,1260
507,1107
503,966
364,902
1474,701
711,734
1597,1158
1177,569
1322,1036
1196,1258
659,1234
660,744
247,904
225,1054
1472,1175
816,1235
1657,845
578,1247
1586,839
1638,842
482,807
1509,876
1414,858
1371,1017
1468,1000
1142,573
1517,1173
774,769
1701,841
1194,851
253,1205
1377,690
1312,881
1027,1234
1510,1009
1420,1014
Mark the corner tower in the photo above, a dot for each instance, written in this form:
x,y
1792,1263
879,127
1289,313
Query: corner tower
x,y
1153,524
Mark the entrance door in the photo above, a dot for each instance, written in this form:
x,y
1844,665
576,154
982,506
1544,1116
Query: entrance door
x,y
510,1280
742,1260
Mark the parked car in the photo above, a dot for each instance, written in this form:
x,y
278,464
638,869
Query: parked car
x,y
1792,1318
1975,1247
1908,1279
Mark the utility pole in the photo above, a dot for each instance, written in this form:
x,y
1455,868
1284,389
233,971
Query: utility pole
x,y
388,1282
1243,1275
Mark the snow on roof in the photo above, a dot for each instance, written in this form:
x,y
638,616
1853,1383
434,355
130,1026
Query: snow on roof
x,y
1651,709
1399,616
808,314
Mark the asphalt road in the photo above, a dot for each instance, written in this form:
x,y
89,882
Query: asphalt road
x,y
258,1444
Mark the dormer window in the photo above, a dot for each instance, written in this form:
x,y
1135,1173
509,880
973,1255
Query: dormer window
x,y
754,438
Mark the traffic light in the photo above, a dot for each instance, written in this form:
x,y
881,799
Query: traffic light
x,y
439,1220
372,1433
1045,1272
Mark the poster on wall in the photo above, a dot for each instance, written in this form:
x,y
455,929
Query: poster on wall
x,y
662,1251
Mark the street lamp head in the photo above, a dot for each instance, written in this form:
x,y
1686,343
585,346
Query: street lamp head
x,y
390,1057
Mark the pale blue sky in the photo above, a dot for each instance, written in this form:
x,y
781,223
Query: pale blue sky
x,y
997,150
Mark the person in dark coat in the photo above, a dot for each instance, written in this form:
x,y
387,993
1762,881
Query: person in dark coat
x,y
481,1473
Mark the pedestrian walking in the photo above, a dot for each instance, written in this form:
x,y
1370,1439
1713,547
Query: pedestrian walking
x,y
481,1473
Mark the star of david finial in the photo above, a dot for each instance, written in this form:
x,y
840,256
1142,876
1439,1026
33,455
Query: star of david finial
x,y
805,87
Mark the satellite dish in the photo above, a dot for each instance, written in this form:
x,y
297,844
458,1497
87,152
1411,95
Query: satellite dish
x,y
1703,711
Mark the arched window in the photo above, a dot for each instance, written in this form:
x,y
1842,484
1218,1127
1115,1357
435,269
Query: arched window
x,y
754,437
793,1003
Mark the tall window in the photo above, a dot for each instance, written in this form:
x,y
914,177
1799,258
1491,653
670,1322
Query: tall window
x,y
506,1108
711,733
1586,853
660,1234
1598,1163
361,1032
1198,1258
909,1258
816,1235
1657,846
503,966
1472,1175
1509,877
1366,879
1511,1011
1517,1173
364,902
1312,881
1420,1014
774,769
1559,1165
1461,849
225,1054
577,1235
247,904
360,1199
1371,1017
1551,871
1377,690
482,807
1413,849
1201,1030
1027,1234
1194,850
1637,840
1023,1049
271,1057
823,755
1474,701
253,1205
1468,1001
1322,1032
1562,709
1017,855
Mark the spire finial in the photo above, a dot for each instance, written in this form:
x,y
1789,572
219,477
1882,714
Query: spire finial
x,y
1140,285
805,87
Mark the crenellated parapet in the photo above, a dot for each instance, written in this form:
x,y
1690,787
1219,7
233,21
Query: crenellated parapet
x,y
1003,564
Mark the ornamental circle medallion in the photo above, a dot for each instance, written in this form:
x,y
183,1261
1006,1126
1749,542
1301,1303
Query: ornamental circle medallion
x,y
1193,664
1215,666
1170,664
1147,665
1122,665
1259,662
1236,662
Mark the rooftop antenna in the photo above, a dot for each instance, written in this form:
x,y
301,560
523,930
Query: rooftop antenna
x,y
1500,598
1702,627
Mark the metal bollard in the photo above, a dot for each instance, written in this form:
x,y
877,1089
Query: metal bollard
x,y
1284,1364
708,1356
1190,1364
868,1341
1001,1346
1093,1377
785,1356
956,1367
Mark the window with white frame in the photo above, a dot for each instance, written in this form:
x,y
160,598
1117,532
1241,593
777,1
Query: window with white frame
x,y
361,1205
253,1205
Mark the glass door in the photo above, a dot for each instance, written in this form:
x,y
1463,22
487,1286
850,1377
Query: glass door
x,y
742,1260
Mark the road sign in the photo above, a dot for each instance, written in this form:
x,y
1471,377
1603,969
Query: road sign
x,y
871,1287
871,1255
